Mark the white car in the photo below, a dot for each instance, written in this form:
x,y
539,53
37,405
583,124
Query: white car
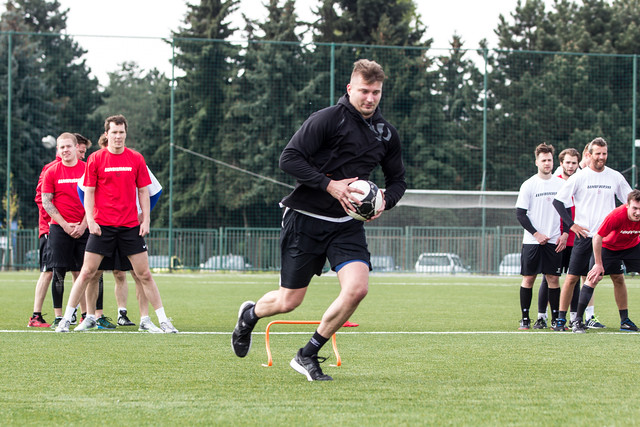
x,y
440,262
510,264
226,262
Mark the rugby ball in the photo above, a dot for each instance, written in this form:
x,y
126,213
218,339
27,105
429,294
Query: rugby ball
x,y
371,200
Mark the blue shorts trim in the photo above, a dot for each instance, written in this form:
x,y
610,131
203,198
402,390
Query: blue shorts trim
x,y
339,266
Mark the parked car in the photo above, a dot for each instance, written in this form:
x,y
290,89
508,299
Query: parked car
x,y
440,262
160,262
383,263
510,264
226,262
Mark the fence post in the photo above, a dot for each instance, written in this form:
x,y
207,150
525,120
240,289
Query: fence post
x,y
332,74
171,136
9,90
634,176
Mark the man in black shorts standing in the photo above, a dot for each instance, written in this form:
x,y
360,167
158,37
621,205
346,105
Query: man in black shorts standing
x,y
114,175
542,242
334,147
68,229
616,244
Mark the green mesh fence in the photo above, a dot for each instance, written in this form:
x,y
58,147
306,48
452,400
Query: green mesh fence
x,y
213,129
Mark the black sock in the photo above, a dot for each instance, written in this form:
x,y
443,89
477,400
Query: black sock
x,y
525,301
575,297
562,315
624,314
314,345
554,302
543,295
249,317
585,296
37,314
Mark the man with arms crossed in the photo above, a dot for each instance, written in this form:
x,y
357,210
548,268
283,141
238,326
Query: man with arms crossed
x,y
593,192
616,244
542,242
113,175
334,147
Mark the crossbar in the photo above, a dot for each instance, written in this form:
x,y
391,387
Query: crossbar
x,y
297,322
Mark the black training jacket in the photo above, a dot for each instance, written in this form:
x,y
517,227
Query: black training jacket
x,y
338,143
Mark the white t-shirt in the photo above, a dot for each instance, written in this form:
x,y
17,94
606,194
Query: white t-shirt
x,y
536,196
594,195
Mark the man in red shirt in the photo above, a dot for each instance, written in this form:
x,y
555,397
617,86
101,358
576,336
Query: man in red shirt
x,y
616,244
46,271
113,177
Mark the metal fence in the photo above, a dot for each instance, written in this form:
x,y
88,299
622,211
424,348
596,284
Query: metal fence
x,y
258,249
468,119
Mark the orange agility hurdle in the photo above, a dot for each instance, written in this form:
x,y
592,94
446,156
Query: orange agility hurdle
x,y
297,322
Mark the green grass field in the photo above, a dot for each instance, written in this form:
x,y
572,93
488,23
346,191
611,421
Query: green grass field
x,y
428,351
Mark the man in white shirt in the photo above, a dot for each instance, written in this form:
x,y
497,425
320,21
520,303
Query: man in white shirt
x,y
593,192
542,243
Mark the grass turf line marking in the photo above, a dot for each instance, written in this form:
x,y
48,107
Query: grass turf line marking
x,y
35,331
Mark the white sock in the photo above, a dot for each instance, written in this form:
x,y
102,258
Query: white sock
x,y
542,316
68,313
573,315
589,312
144,319
91,316
161,316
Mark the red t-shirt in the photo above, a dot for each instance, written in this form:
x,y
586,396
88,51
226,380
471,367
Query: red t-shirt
x,y
62,182
43,216
618,231
116,178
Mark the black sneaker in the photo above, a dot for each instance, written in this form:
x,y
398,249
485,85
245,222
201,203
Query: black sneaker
x,y
560,325
241,336
123,320
74,318
310,367
578,327
540,324
525,324
628,326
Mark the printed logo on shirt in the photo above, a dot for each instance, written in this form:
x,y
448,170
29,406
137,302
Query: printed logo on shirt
x,y
68,181
548,193
598,186
119,169
629,231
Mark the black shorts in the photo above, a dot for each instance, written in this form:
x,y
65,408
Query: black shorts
x,y
566,257
66,252
44,254
580,257
614,262
126,239
536,259
307,242
116,262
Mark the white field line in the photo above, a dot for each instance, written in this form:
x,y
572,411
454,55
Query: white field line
x,y
37,331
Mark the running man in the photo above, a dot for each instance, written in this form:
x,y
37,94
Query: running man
x,y
333,147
